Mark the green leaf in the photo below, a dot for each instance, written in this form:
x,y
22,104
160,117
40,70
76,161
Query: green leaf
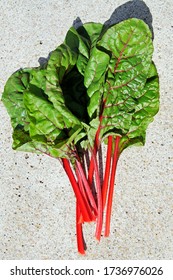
x,y
61,148
76,42
12,97
94,79
91,31
82,41
130,46
20,137
145,110
79,45
38,78
44,118
60,63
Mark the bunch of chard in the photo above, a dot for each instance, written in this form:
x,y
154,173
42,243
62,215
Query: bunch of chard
x,y
99,87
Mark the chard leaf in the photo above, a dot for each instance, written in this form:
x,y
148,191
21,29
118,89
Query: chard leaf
x,y
91,31
76,42
94,79
12,97
60,63
20,137
81,41
79,45
44,118
38,78
126,88
62,147
146,109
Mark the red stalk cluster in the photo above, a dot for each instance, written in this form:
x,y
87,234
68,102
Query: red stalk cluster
x,y
90,207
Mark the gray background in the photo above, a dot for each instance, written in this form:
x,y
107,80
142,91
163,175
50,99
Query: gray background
x,y
37,205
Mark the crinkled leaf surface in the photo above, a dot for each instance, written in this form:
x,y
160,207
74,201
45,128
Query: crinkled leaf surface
x,y
146,109
44,118
130,98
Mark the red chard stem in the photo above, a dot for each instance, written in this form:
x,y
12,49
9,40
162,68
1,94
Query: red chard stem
x,y
76,189
79,231
87,187
111,188
83,192
107,170
99,200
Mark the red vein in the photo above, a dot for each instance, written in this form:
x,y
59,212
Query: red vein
x,y
123,49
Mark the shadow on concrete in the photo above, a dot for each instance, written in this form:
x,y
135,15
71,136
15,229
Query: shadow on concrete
x,y
131,9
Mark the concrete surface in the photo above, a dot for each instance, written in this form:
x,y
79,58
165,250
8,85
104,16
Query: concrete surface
x,y
37,205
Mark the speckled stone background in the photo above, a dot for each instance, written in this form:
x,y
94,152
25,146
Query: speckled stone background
x,y
37,205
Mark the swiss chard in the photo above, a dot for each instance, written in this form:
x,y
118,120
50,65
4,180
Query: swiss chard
x,y
99,87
